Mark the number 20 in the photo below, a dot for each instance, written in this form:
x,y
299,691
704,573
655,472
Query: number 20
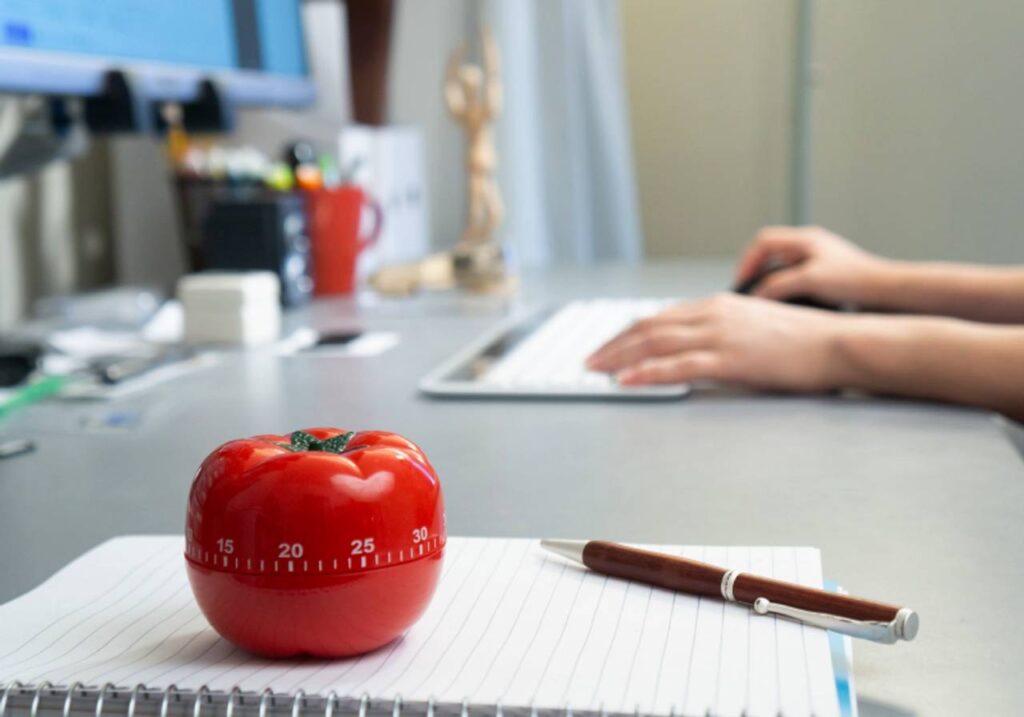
x,y
289,550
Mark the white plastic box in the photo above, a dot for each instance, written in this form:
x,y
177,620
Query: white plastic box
x,y
223,307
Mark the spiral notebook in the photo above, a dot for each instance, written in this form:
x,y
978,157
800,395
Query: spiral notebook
x,y
512,630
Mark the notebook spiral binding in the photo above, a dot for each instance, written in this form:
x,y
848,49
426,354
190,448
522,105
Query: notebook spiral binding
x,y
45,699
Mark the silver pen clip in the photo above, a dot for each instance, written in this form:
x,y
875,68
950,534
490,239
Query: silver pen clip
x,y
902,627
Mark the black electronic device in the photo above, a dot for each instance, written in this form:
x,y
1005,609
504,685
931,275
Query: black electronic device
x,y
18,359
748,287
264,231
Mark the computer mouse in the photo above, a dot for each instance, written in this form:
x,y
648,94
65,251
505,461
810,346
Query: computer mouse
x,y
750,285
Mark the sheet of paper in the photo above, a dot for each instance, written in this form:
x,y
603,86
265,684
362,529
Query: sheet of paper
x,y
509,624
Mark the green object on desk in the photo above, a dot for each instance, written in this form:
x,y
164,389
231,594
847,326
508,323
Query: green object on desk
x,y
35,391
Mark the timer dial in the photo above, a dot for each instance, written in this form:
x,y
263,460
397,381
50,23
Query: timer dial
x,y
323,542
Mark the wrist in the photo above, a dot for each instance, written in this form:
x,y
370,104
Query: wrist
x,y
852,345
884,281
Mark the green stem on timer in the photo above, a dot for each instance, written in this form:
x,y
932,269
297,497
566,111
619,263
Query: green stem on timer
x,y
302,441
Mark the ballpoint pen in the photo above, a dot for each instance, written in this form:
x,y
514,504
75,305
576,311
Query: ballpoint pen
x,y
36,390
852,616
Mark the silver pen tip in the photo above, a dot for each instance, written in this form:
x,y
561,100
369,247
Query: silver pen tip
x,y
571,549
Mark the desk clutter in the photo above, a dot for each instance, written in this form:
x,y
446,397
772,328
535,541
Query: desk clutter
x,y
302,219
114,344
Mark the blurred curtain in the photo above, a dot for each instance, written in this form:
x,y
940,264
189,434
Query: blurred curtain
x,y
566,160
565,138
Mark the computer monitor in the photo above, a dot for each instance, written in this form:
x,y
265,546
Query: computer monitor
x,y
252,49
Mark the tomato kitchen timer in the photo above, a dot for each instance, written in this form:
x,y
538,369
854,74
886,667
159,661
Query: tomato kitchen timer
x,y
323,542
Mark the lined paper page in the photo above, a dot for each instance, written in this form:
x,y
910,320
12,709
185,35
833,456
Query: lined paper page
x,y
510,624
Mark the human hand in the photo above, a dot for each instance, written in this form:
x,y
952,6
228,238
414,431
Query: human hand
x,y
822,265
727,337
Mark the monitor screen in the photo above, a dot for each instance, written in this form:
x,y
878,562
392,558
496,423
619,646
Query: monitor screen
x,y
254,48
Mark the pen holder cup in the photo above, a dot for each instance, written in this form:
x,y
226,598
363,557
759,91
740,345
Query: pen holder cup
x,y
195,199
337,219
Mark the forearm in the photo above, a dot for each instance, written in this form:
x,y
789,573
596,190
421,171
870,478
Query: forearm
x,y
940,359
980,293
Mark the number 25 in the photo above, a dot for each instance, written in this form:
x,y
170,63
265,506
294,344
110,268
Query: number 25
x,y
361,547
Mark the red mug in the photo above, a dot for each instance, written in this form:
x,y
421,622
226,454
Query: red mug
x,y
335,218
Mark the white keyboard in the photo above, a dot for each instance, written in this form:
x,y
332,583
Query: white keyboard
x,y
550,360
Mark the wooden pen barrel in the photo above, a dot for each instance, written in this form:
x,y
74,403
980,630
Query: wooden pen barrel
x,y
749,587
698,578
680,574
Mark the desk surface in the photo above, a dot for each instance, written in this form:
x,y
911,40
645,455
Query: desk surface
x,y
909,502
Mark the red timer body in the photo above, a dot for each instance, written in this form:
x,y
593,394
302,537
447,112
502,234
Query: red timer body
x,y
323,542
